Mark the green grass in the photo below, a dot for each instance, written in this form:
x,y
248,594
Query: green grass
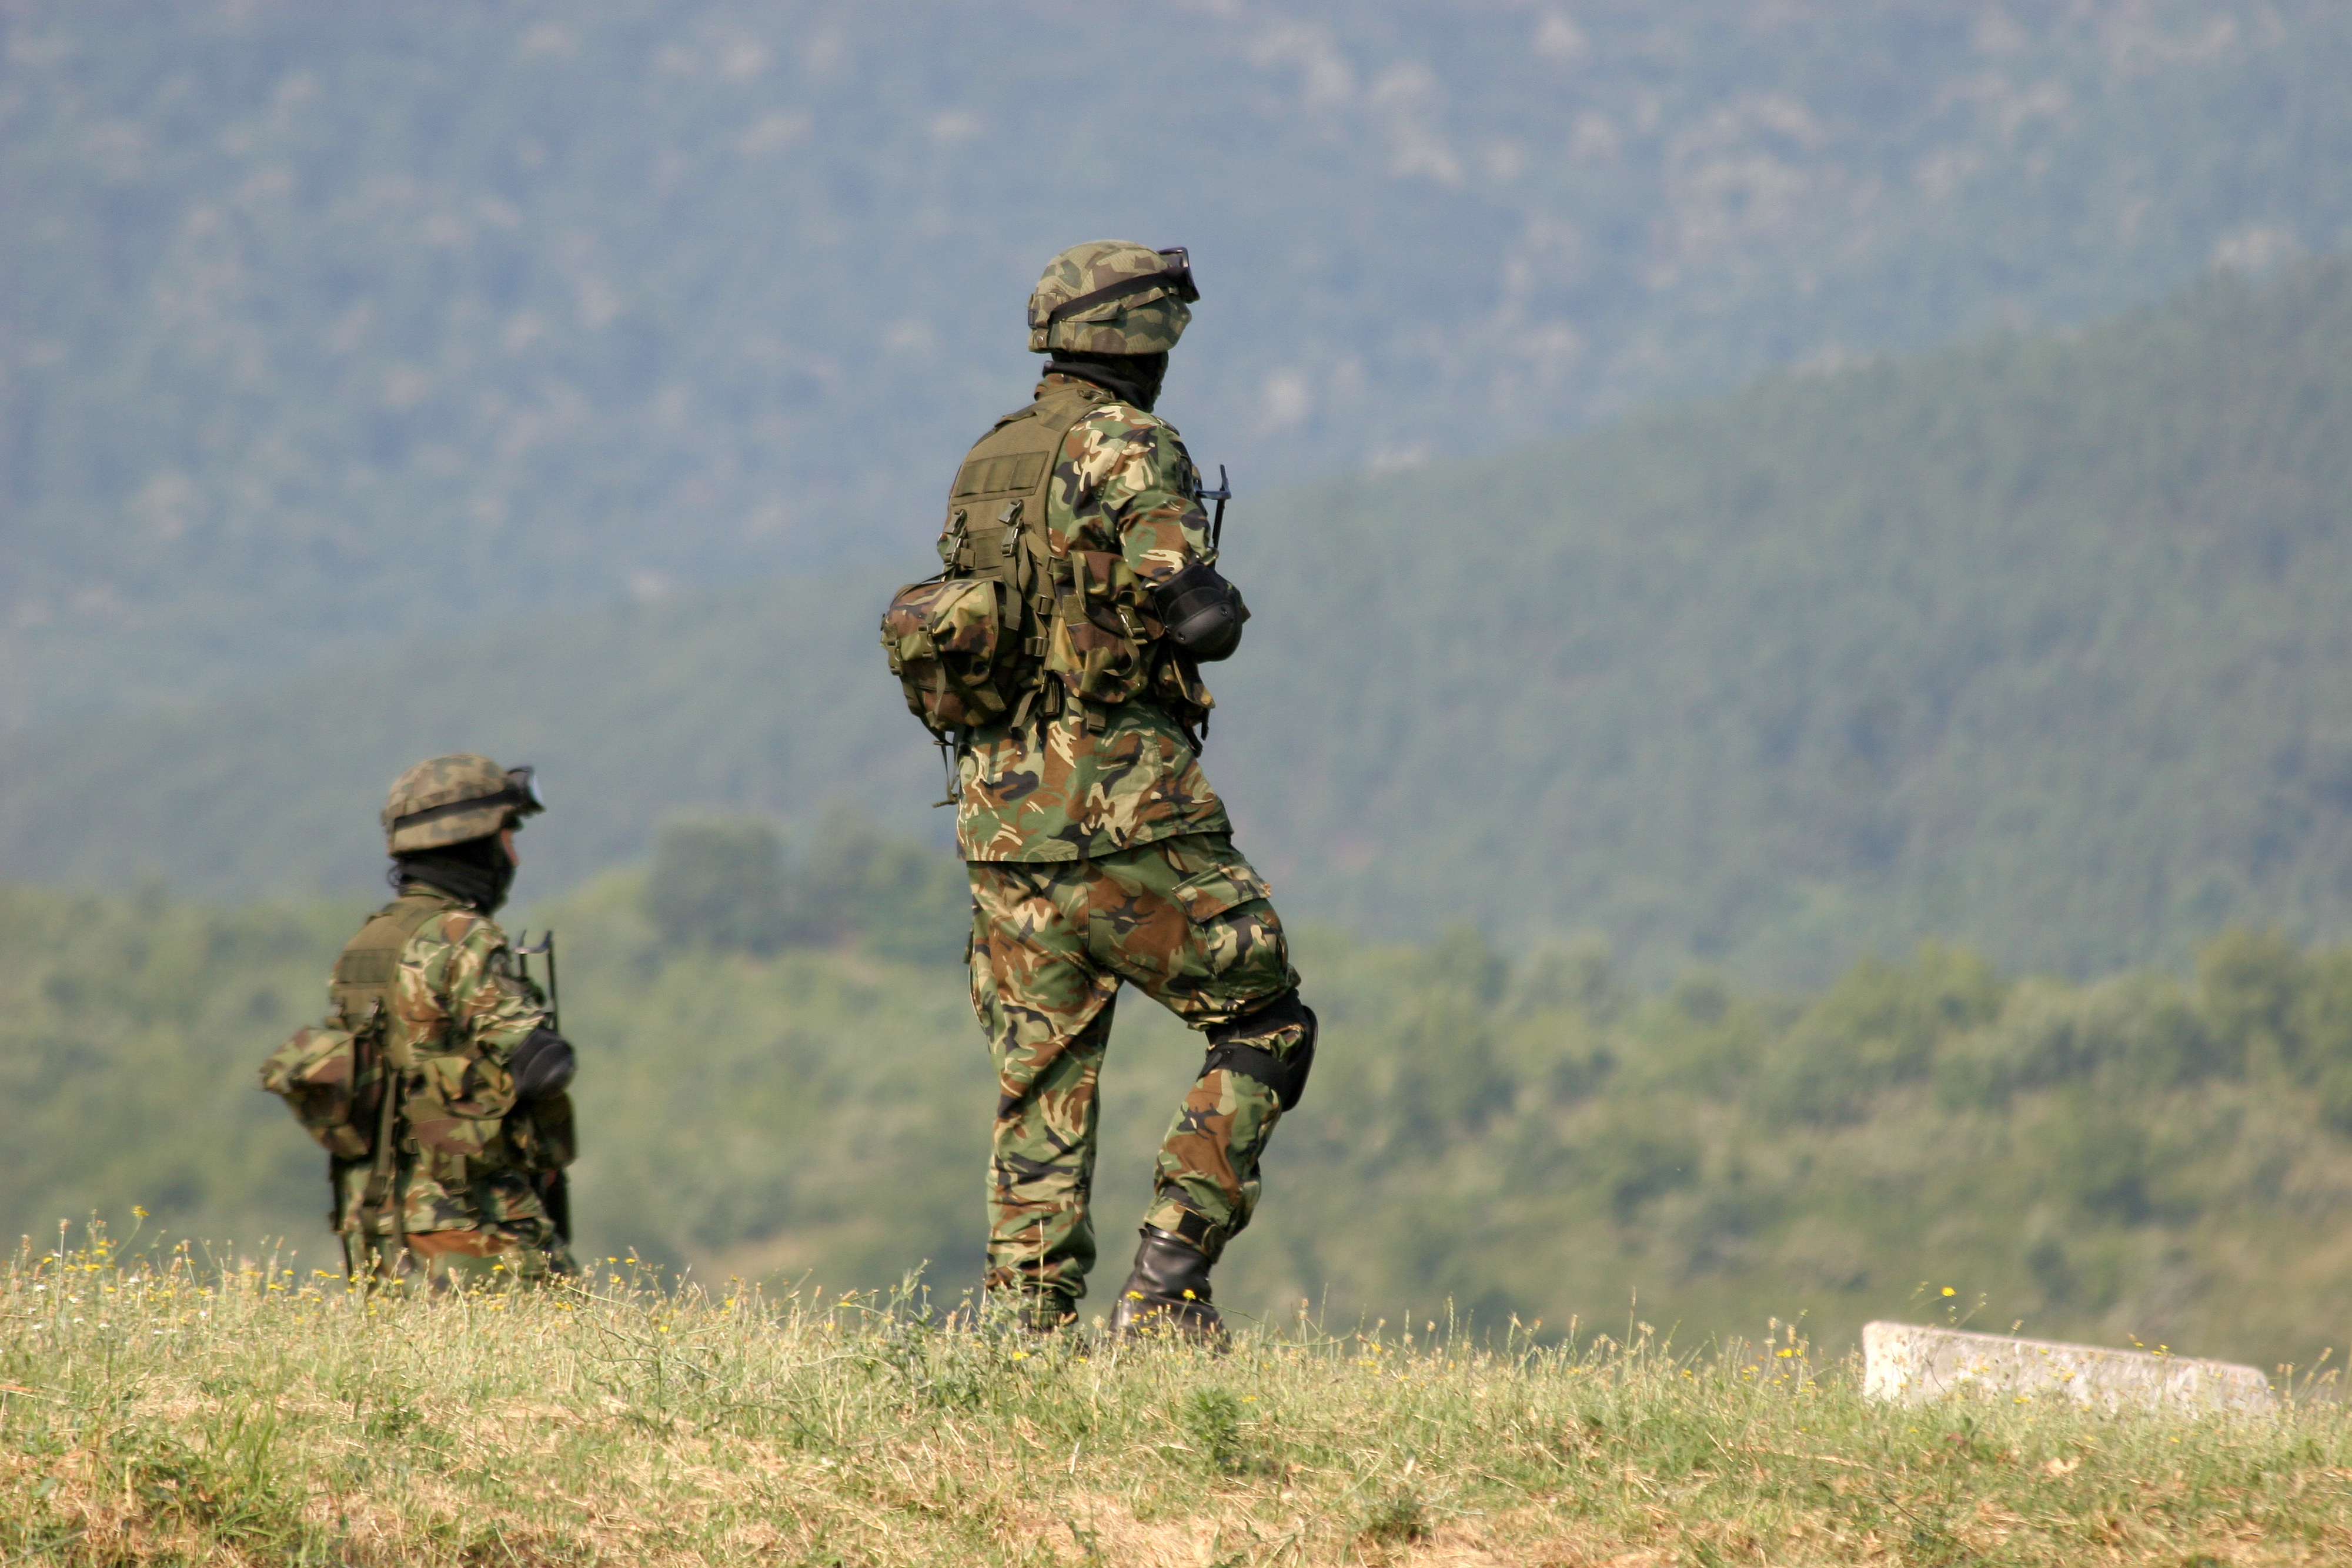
x,y
166,1409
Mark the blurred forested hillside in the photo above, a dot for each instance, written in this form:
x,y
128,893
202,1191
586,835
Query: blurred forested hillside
x,y
2142,1156
2036,643
325,323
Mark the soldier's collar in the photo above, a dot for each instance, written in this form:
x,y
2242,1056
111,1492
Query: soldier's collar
x,y
1061,378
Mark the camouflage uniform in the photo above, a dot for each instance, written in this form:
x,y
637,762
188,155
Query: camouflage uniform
x,y
471,1182
1099,855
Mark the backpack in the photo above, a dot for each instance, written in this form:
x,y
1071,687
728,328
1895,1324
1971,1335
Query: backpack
x,y
980,641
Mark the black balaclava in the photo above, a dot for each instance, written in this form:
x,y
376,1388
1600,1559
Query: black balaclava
x,y
477,871
1134,377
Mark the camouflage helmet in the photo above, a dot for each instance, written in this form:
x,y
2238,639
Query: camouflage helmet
x,y
1112,297
449,800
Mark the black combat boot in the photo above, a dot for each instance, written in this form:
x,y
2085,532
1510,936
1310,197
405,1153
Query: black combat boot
x,y
1168,1293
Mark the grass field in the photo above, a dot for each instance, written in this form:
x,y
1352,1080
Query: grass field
x,y
166,1409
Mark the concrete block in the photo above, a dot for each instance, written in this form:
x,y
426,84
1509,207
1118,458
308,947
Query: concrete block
x,y
1908,1365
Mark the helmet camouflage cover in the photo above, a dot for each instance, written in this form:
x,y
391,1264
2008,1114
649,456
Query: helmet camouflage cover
x,y
449,800
1111,296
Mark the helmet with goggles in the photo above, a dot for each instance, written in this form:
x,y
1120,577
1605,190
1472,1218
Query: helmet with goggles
x,y
1112,297
450,799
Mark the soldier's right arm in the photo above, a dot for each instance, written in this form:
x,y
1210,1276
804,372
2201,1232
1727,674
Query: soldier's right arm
x,y
1127,473
1148,491
456,993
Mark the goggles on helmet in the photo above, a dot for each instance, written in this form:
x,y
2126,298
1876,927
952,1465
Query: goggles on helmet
x,y
522,788
1179,270
1175,272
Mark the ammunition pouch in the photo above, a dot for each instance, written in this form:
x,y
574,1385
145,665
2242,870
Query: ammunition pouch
x,y
1231,1048
1202,612
1100,645
332,1080
944,638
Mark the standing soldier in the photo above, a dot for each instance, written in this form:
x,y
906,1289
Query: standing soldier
x,y
1059,654
466,1175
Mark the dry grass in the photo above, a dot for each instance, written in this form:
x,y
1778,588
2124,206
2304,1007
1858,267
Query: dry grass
x,y
158,1411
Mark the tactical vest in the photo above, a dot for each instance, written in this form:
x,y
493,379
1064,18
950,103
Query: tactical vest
x,y
996,515
341,1078
1012,625
362,989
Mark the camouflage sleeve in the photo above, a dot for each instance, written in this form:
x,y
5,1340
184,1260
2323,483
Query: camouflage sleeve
x,y
1131,475
457,991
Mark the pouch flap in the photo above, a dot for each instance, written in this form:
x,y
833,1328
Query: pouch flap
x,y
949,615
314,1058
908,614
1207,894
474,1088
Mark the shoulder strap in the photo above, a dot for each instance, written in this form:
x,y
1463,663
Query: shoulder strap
x,y
362,987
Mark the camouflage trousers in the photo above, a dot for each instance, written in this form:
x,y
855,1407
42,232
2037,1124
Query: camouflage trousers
x,y
487,1226
1185,920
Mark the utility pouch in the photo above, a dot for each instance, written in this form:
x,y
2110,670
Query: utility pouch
x,y
457,1106
332,1080
943,637
1102,641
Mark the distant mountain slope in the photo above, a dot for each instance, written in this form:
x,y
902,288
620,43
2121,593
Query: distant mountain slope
x,y
327,325
773,697
2038,643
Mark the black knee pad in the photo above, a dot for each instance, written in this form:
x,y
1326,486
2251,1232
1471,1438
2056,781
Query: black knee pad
x,y
1286,1075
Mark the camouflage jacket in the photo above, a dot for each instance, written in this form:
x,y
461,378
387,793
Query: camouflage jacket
x,y
461,1012
1054,789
